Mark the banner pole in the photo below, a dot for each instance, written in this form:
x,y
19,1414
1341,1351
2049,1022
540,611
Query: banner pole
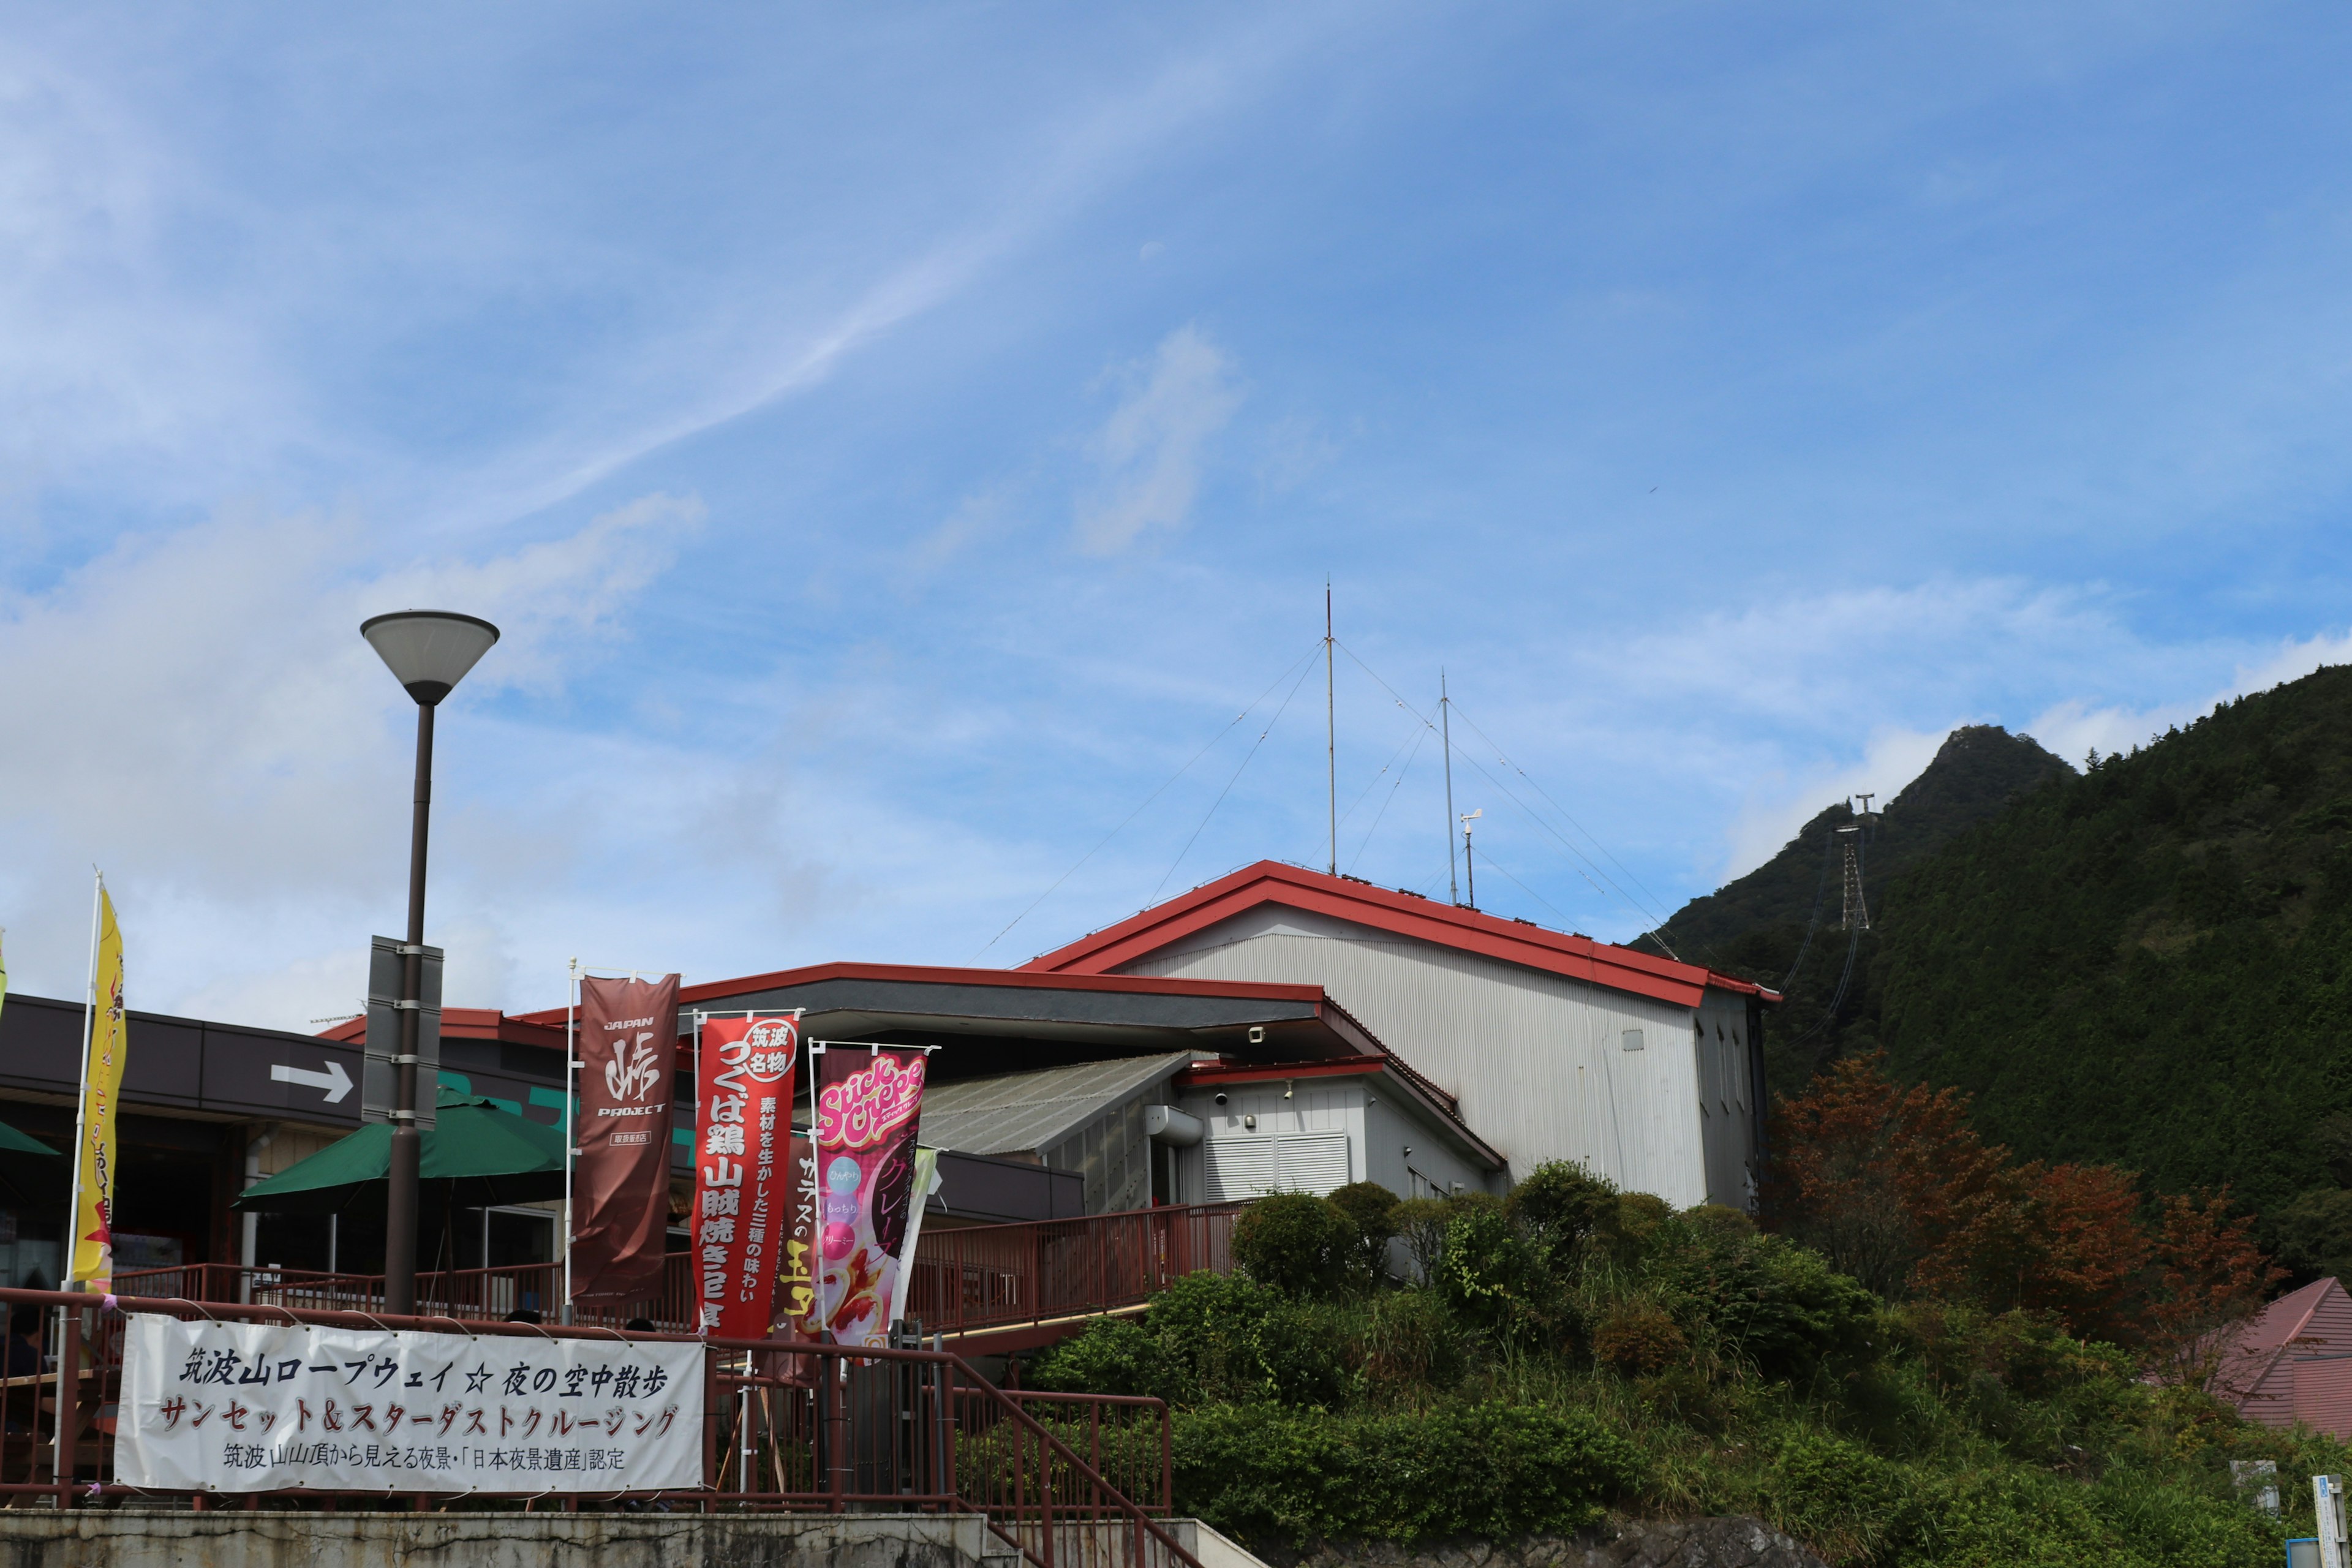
x,y
570,1132
73,1199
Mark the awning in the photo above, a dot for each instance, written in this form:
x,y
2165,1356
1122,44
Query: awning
x,y
488,1155
30,1171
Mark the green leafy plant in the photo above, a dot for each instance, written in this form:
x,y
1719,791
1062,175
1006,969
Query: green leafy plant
x,y
1297,1242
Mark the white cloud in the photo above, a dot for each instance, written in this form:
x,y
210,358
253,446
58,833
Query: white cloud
x,y
1152,447
196,713
1786,802
2074,728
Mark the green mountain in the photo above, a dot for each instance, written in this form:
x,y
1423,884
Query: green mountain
x,y
2149,963
1782,922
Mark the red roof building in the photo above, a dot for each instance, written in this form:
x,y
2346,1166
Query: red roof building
x,y
2292,1364
1555,1045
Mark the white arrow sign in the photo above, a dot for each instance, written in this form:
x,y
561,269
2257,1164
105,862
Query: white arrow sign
x,y
334,1081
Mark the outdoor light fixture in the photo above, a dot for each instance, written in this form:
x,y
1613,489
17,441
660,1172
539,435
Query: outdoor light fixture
x,y
428,652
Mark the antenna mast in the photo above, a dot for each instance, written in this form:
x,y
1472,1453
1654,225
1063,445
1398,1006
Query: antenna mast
x,y
1330,731
1445,716
1467,863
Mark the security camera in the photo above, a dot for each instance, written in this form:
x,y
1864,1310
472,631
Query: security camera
x,y
1221,1099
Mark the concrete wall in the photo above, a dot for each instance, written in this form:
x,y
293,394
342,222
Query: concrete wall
x,y
125,1538
1538,1059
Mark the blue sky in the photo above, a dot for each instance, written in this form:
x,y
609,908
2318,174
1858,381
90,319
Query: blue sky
x,y
898,441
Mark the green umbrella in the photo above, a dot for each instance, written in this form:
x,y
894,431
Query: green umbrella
x,y
30,1170
488,1155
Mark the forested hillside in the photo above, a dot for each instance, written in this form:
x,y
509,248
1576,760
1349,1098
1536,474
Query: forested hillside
x,y
2147,963
1779,923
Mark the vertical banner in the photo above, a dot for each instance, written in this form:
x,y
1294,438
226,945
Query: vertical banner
x,y
868,1103
743,1169
627,1045
797,1320
101,1086
902,1286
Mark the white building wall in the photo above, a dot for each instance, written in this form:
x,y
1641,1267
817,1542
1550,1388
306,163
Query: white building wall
x,y
1385,1140
1538,1060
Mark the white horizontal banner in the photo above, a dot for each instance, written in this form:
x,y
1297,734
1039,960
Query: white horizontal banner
x,y
248,1407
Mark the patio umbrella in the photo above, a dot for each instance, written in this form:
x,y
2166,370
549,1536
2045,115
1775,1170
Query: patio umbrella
x,y
486,1156
30,1171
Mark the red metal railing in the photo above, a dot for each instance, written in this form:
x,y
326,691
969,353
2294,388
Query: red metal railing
x,y
786,1429
997,1276
965,1279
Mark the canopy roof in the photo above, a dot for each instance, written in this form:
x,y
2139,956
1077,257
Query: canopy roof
x,y
494,1157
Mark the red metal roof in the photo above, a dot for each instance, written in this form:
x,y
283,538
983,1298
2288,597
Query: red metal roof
x,y
2292,1362
1403,913
473,1023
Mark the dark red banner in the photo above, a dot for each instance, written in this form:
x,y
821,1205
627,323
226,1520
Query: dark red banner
x,y
796,1313
627,1046
742,1170
869,1102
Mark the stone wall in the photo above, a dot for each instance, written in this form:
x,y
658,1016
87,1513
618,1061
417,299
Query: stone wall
x,y
1641,1543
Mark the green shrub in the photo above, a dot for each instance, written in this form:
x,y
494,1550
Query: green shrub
x,y
1413,1344
1493,1471
1211,1337
1368,1204
1487,1273
1638,1338
1297,1243
1422,1223
1844,1499
1764,1298
1561,1207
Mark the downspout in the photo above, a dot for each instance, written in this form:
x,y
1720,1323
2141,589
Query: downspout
x,y
1760,1148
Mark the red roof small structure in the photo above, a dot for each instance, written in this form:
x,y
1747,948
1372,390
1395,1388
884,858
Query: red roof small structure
x,y
2293,1362
1399,913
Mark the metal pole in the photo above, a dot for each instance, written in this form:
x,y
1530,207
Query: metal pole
x,y
570,1134
1445,717
1330,731
407,1145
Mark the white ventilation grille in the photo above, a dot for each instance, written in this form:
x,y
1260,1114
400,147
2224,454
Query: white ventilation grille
x,y
1295,1162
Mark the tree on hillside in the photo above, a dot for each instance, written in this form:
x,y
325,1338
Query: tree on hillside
x,y
1892,1183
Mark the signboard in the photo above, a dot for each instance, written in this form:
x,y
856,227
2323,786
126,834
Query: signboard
x,y
253,1407
742,1168
380,1076
869,1100
620,1179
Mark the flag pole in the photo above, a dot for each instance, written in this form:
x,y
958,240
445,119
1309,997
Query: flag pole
x,y
570,1132
73,1200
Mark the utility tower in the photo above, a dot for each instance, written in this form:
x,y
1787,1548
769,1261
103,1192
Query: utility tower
x,y
1857,912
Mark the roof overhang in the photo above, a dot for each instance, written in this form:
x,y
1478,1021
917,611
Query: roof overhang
x,y
1399,914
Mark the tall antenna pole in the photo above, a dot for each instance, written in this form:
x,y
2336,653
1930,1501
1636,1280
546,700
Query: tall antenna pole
x,y
1445,716
1330,729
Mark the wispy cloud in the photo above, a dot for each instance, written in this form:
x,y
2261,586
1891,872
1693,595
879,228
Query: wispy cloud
x,y
1152,448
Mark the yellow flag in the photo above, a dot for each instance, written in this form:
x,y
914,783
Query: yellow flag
x,y
93,1246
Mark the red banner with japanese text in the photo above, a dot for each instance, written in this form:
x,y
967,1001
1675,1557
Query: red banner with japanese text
x,y
743,1169
867,1104
627,1045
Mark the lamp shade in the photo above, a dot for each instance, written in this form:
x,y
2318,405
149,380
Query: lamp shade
x,y
429,651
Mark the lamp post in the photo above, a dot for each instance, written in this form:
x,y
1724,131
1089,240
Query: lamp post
x,y
428,652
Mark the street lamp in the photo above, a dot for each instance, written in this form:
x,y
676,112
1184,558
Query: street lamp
x,y
428,651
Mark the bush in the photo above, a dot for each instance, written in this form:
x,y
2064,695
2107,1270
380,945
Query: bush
x,y
1638,1338
1488,1274
1839,1496
1780,1305
1369,1205
1561,1206
1295,1242
1209,1337
1413,1344
1422,1223
1493,1471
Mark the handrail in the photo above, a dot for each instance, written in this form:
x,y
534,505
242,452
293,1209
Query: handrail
x,y
1032,1522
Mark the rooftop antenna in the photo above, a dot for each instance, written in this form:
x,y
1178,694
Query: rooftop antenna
x,y
1467,865
1445,716
1330,731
